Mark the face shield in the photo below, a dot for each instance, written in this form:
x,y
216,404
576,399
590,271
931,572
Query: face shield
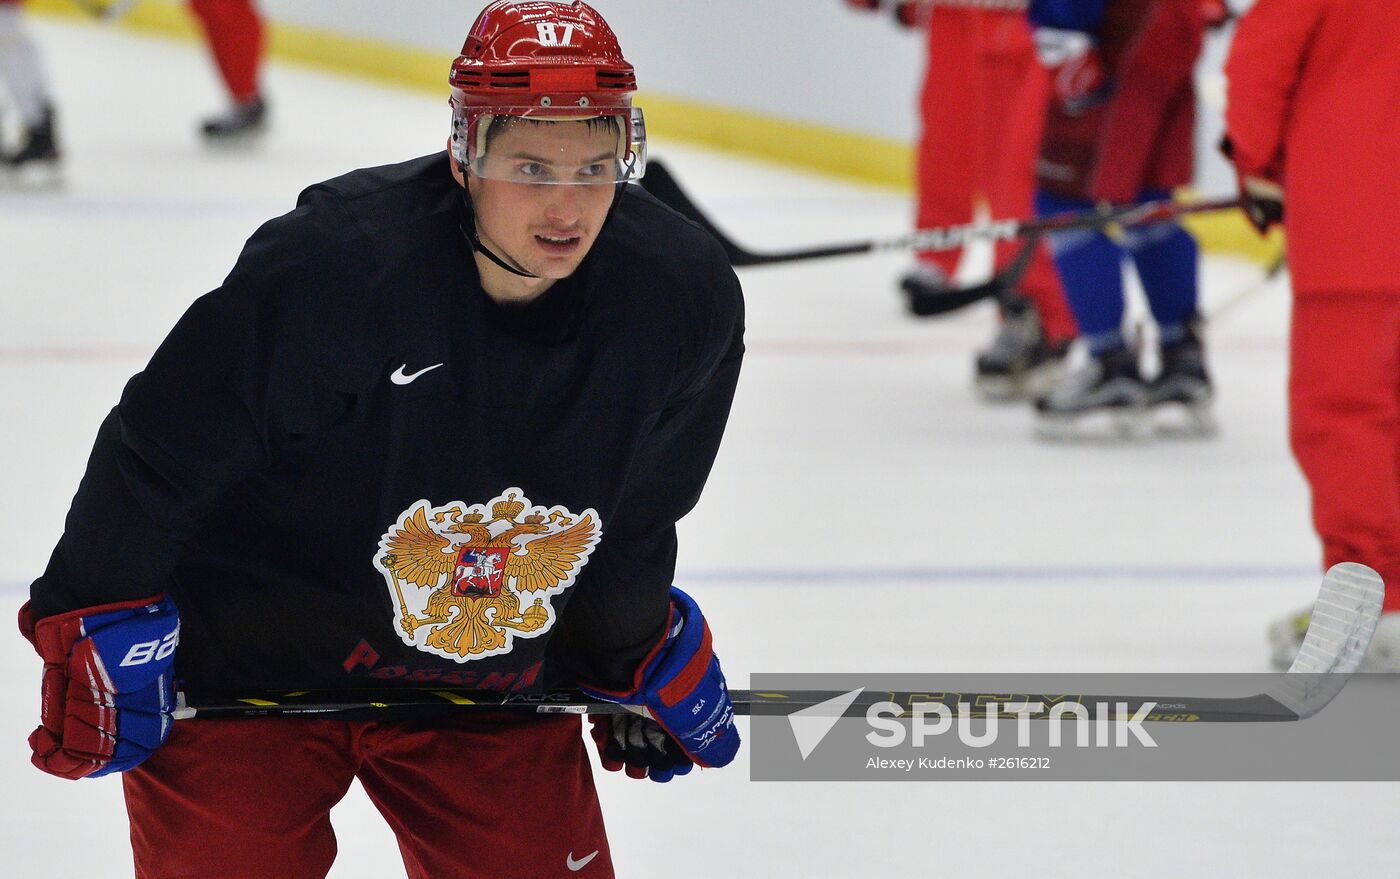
x,y
543,144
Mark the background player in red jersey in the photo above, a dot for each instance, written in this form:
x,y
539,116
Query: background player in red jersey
x,y
438,424
23,80
1120,130
982,109
236,37
1312,115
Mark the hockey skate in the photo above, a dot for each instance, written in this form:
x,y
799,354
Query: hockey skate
x,y
1105,399
36,161
1180,396
1019,363
1286,636
242,123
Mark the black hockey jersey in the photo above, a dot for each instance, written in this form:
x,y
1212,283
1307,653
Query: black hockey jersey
x,y
348,463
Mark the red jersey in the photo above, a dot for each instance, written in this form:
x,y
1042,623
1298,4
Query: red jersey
x,y
1314,87
1142,136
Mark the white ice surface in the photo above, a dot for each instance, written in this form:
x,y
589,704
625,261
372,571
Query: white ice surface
x,y
865,513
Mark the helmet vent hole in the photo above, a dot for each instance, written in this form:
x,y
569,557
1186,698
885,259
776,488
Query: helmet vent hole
x,y
510,79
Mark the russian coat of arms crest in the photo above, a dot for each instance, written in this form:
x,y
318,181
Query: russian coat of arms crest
x,y
466,580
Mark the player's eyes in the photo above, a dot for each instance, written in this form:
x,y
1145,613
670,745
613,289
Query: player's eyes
x,y
594,170
530,169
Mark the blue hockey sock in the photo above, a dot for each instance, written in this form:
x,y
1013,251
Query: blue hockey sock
x,y
1166,256
1091,271
1101,342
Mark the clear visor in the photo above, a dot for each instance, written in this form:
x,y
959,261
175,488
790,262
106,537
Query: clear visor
x,y
543,145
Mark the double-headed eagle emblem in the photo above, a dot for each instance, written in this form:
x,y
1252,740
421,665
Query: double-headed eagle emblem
x,y
458,579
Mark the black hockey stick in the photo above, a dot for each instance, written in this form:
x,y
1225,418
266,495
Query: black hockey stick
x,y
1002,286
659,182
1343,620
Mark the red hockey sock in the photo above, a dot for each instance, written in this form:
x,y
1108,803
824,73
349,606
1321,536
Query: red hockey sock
x,y
235,35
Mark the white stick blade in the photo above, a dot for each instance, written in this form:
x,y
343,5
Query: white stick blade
x,y
1343,620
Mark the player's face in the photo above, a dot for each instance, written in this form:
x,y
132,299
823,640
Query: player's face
x,y
545,229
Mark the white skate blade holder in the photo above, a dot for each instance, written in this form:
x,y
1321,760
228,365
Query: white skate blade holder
x,y
1125,424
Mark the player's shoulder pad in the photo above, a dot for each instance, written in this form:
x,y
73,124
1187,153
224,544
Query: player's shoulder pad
x,y
678,279
383,200
311,272
658,247
340,224
675,239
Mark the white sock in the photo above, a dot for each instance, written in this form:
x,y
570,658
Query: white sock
x,y
21,68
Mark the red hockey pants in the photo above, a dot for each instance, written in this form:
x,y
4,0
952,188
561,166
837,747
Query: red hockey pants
x,y
483,798
235,36
1344,424
983,109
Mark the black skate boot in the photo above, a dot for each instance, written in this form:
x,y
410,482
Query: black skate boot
x,y
1104,400
242,121
1180,396
37,159
1019,363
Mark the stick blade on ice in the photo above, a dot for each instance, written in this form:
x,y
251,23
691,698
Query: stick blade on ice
x,y
1344,618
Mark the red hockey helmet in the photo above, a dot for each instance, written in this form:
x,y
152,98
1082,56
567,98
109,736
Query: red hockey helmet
x,y
550,62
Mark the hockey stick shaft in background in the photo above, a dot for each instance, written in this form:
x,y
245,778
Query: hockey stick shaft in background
x,y
661,184
1344,618
1002,285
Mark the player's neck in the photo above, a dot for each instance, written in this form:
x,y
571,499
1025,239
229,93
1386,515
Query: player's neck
x,y
505,288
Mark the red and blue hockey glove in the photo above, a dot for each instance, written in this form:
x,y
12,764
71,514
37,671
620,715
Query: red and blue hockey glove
x,y
1075,67
639,746
108,689
682,689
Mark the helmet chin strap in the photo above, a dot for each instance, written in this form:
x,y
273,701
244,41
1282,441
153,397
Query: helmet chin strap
x,y
486,252
468,228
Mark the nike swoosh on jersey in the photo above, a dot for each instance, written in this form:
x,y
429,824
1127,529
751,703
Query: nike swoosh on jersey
x,y
574,866
401,378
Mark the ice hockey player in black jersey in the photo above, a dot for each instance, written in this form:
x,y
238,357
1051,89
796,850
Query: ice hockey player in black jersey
x,y
436,426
